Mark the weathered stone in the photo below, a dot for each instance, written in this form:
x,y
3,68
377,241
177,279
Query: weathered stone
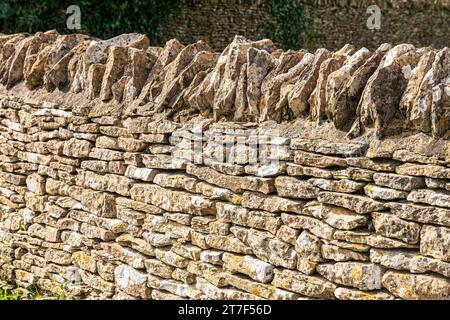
x,y
357,203
176,181
297,170
427,110
418,156
213,292
366,238
126,255
308,248
373,164
176,201
94,232
258,289
97,282
431,171
279,81
228,243
143,175
208,271
162,161
336,217
58,256
317,160
355,174
421,213
115,64
77,148
158,239
171,258
382,193
212,256
105,154
266,170
310,286
315,226
435,198
328,147
266,247
235,184
184,276
287,234
109,182
318,99
254,200
398,182
215,193
353,294
435,242
158,268
407,103
391,71
105,142
256,269
241,216
95,165
139,206
302,89
130,216
131,145
404,260
347,84
345,186
390,226
435,183
102,204
132,281
331,252
260,62
294,188
137,244
85,261
364,276
36,184
416,287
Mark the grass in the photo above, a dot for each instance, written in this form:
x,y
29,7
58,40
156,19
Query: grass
x,y
13,292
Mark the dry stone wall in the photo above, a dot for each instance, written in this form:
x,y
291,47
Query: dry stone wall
x,y
136,172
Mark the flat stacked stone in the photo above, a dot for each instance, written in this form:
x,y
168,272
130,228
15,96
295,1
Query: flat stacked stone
x,y
157,176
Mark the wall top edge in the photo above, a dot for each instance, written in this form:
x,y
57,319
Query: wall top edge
x,y
390,90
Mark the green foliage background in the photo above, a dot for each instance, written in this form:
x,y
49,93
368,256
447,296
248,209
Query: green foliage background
x,y
107,18
292,28
100,18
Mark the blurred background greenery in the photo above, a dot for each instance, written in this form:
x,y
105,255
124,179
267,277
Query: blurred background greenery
x,y
105,19
99,18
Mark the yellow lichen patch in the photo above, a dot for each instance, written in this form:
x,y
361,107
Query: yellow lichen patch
x,y
358,246
238,200
409,293
278,181
356,273
372,154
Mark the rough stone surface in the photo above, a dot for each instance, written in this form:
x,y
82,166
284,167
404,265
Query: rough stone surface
x,y
136,172
363,276
416,286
